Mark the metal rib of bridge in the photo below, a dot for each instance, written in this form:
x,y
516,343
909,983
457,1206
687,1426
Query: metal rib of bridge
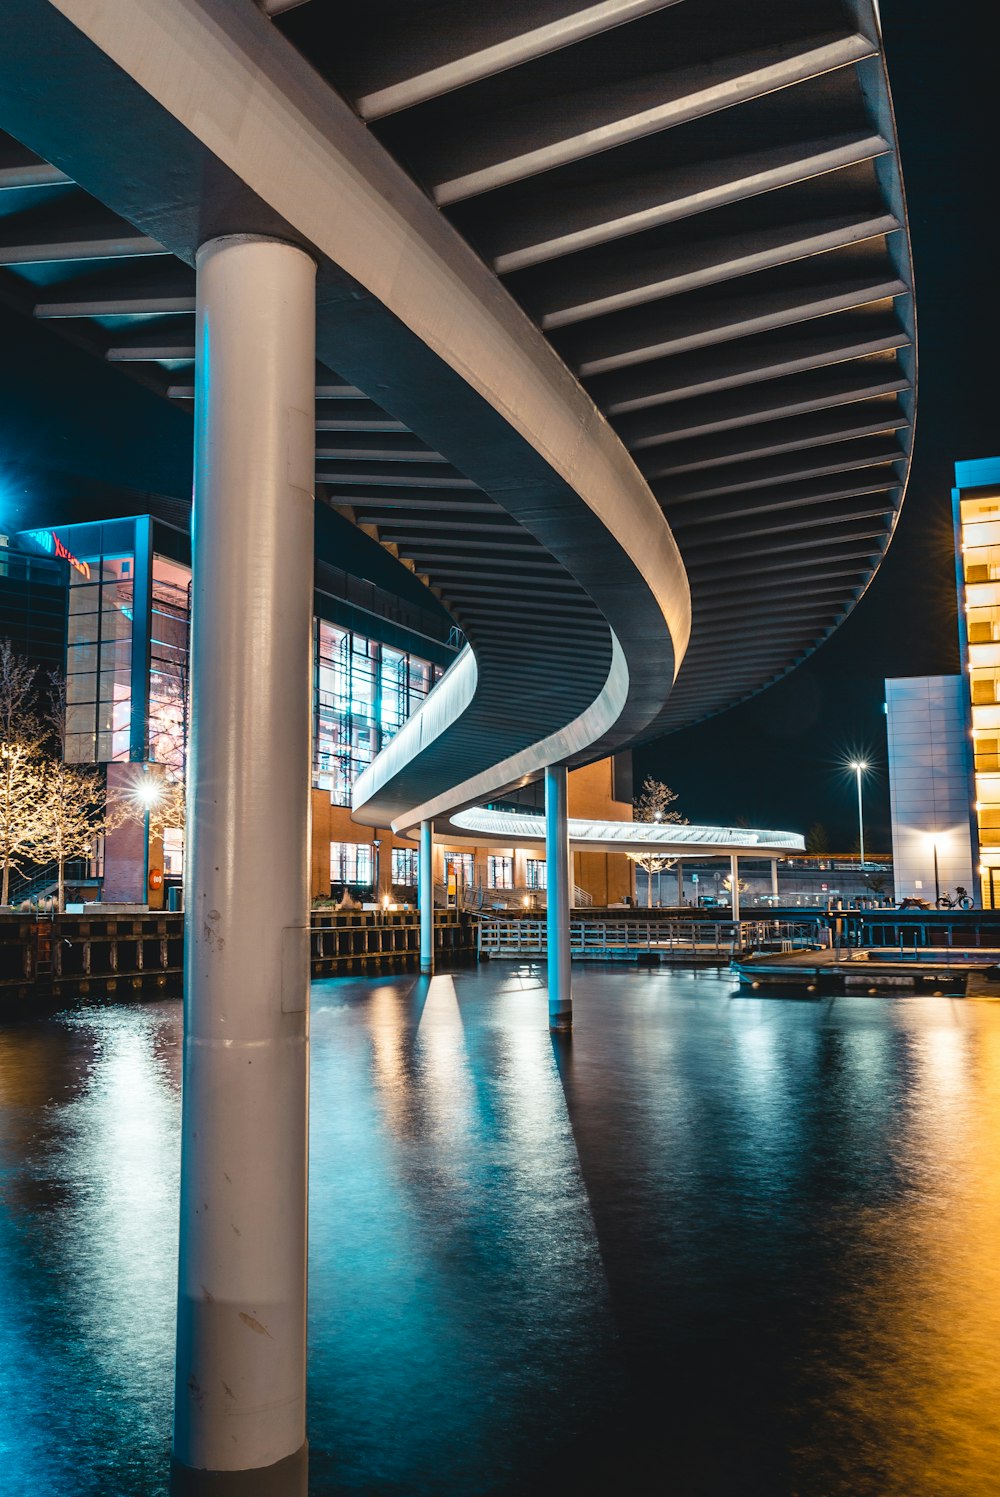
x,y
711,236
700,204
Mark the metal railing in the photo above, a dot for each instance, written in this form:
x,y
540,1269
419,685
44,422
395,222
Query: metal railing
x,y
609,940
45,881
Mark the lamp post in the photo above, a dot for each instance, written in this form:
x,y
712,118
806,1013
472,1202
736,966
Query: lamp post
x,y
147,793
859,766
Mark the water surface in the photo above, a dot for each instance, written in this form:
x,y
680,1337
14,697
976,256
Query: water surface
x,y
715,1244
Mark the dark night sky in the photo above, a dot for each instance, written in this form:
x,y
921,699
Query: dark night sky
x,y
776,760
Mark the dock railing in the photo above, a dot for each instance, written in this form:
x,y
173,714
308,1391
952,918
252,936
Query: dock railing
x,y
629,939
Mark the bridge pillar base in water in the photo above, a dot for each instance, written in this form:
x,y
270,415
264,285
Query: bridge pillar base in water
x,y
557,905
287,1478
425,897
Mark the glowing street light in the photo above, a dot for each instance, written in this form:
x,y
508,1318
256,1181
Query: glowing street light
x,y
859,766
148,792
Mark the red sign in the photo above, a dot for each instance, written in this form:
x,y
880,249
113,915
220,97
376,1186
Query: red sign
x,y
81,566
156,878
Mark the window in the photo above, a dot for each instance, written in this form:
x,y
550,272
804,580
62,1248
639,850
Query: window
x,y
500,872
404,865
173,851
99,662
463,866
351,863
363,694
168,671
535,874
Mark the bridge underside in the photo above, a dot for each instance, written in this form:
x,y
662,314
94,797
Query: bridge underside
x,y
591,288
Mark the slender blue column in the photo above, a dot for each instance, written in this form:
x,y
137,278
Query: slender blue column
x,y
425,897
557,907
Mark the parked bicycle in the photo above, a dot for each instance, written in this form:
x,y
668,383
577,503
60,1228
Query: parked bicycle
x,y
962,900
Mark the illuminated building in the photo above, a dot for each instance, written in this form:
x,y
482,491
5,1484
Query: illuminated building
x,y
976,501
119,591
33,604
930,766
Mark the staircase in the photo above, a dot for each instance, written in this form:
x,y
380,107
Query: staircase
x,y
45,883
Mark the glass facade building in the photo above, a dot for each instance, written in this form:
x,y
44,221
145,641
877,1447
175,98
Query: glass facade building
x,y
127,638
127,646
33,604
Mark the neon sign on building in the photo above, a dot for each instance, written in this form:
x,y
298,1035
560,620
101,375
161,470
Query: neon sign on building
x,y
50,542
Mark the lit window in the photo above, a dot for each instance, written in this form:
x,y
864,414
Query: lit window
x,y
404,866
461,866
351,863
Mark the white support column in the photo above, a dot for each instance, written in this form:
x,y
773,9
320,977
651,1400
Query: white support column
x,y
241,1318
680,883
558,898
774,877
425,897
734,880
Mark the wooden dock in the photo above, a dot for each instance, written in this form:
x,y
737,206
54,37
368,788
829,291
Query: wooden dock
x,y
63,958
874,970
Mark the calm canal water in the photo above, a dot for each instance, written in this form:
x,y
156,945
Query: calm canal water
x,y
715,1245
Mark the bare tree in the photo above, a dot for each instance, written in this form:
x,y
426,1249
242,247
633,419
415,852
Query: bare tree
x,y
653,804
167,812
74,815
20,764
73,810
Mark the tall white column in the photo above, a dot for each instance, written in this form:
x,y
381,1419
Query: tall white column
x,y
558,898
241,1319
425,896
774,877
734,880
680,883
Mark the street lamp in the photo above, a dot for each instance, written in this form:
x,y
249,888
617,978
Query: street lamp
x,y
859,766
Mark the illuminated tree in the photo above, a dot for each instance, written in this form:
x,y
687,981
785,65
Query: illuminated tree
x,y
73,816
20,764
167,812
73,809
653,804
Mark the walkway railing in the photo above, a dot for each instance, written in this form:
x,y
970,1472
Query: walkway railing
x,y
610,940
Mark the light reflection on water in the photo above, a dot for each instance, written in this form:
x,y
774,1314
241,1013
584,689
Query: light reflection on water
x,y
710,1245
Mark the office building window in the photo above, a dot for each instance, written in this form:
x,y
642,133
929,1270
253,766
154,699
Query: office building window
x,y
351,863
168,664
535,874
463,866
99,662
500,872
364,692
404,866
